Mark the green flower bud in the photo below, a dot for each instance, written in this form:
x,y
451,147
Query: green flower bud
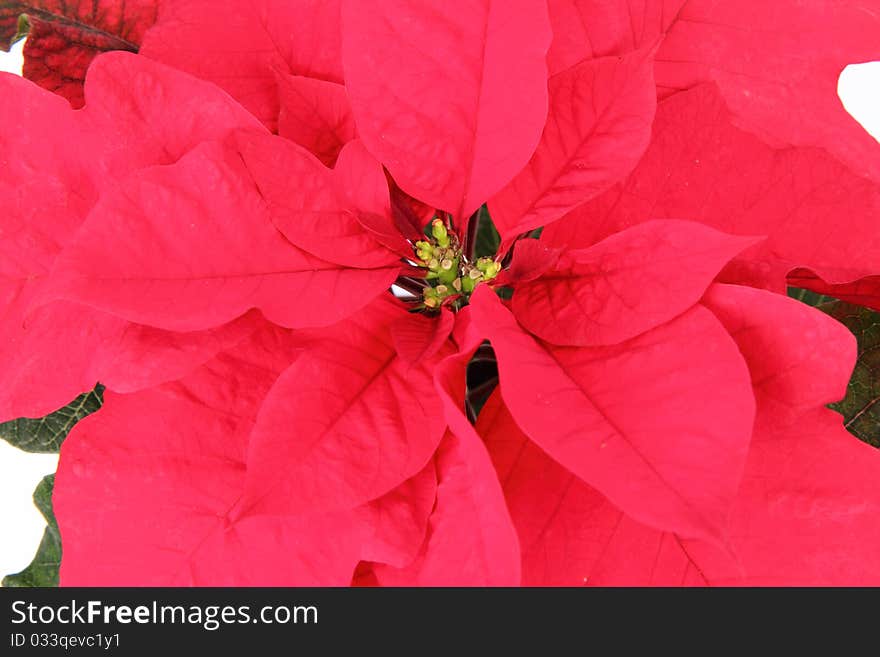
x,y
489,267
448,271
432,299
468,283
438,230
424,251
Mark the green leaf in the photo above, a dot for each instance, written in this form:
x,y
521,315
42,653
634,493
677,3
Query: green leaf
x,y
808,297
488,240
22,28
43,570
45,435
861,406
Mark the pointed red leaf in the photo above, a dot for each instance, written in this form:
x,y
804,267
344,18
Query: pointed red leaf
x,y
63,160
214,255
64,349
315,114
589,29
240,46
471,541
564,525
64,36
173,458
450,97
418,337
531,259
800,359
777,65
863,292
701,167
346,423
361,183
637,420
302,201
144,113
804,513
598,126
626,284
397,522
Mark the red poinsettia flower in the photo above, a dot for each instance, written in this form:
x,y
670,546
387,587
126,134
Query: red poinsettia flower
x,y
648,402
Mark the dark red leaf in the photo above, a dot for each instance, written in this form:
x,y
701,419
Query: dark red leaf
x,y
65,35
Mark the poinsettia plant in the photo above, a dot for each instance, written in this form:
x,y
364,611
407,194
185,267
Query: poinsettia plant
x,y
415,292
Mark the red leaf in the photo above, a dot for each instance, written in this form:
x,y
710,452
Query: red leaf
x,y
777,63
589,29
471,540
863,292
626,284
63,349
397,523
185,443
598,126
63,161
450,98
65,36
418,337
780,80
215,254
173,459
564,525
701,167
346,423
362,184
316,115
634,420
804,513
531,259
800,359
241,46
301,196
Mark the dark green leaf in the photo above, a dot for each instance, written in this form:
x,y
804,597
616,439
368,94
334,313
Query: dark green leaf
x,y
808,297
488,240
22,28
43,570
861,406
45,435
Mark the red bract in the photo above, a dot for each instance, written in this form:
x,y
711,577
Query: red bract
x,y
657,415
247,47
184,488
57,164
776,63
793,521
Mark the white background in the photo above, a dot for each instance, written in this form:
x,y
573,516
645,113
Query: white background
x,y
21,525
